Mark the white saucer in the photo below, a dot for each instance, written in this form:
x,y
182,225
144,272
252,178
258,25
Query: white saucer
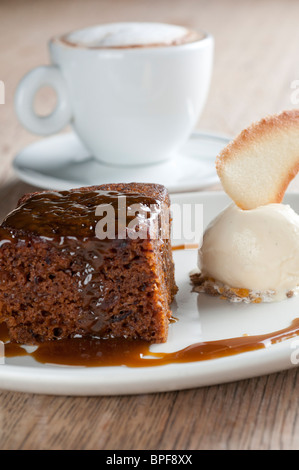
x,y
62,162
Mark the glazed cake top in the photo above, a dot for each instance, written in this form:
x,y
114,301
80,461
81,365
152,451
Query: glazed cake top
x,y
76,213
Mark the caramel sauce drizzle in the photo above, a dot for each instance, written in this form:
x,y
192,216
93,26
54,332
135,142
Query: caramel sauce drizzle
x,y
94,352
187,246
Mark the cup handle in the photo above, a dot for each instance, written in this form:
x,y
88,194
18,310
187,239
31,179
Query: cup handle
x,y
47,75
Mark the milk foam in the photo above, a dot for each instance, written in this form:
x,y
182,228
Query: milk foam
x,y
129,34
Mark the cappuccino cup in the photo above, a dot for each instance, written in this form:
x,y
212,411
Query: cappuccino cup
x,y
132,92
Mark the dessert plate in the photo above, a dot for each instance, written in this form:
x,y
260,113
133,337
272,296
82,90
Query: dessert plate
x,y
62,162
200,318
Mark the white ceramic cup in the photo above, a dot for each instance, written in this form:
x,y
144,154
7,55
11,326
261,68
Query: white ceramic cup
x,y
129,106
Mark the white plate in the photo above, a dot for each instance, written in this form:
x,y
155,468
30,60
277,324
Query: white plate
x,y
61,162
201,318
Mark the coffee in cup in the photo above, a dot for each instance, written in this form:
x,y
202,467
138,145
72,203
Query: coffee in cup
x,y
131,35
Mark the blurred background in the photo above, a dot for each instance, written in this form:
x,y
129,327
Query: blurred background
x,y
256,54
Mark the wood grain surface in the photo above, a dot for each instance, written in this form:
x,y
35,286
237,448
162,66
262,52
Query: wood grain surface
x,y
256,62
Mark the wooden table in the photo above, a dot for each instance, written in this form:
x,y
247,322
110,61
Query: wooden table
x,y
257,59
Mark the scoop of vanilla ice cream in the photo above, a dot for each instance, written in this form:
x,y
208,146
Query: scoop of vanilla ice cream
x,y
254,249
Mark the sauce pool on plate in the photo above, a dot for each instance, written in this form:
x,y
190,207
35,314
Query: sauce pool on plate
x,y
95,352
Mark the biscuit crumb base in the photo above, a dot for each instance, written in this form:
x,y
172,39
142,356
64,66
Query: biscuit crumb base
x,y
209,286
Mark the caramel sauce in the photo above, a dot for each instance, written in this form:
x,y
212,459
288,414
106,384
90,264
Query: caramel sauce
x,y
91,352
187,246
42,214
173,319
11,349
